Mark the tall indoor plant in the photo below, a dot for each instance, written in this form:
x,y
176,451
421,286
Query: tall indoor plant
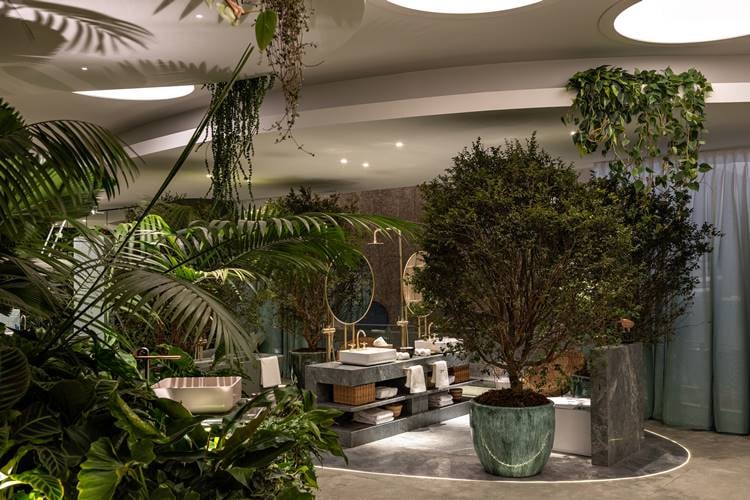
x,y
523,263
300,296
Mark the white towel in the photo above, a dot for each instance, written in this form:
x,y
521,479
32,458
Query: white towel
x,y
380,342
373,416
422,352
415,379
440,374
402,355
270,376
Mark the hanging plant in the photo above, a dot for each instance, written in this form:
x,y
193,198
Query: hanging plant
x,y
641,119
280,28
233,127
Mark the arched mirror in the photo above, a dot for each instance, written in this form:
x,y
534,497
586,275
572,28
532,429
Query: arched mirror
x,y
412,298
350,287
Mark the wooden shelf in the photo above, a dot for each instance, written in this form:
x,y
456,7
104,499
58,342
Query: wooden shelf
x,y
383,402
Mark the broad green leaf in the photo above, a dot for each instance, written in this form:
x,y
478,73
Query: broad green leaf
x,y
101,472
36,425
292,493
47,485
265,28
15,375
129,421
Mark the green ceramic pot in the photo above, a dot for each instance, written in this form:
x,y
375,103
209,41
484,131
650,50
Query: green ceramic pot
x,y
513,442
300,359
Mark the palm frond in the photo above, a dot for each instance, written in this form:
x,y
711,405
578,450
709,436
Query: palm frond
x,y
53,170
181,303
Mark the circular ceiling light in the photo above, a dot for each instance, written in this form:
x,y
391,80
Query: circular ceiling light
x,y
684,21
143,94
462,6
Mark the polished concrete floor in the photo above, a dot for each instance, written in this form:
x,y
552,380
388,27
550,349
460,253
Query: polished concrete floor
x,y
718,468
445,450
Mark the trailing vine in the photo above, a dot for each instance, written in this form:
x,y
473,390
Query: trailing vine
x,y
280,28
642,119
233,128
285,54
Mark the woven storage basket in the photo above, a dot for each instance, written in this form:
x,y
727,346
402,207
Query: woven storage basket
x,y
395,408
354,395
461,373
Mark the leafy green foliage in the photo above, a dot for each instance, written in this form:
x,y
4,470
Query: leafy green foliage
x,y
300,296
233,127
667,247
641,119
15,376
522,261
265,28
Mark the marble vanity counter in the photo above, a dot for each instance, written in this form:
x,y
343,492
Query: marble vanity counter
x,y
337,373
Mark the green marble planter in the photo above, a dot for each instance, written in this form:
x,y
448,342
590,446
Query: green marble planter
x,y
300,359
513,442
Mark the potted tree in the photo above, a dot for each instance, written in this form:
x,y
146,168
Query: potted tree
x,y
524,263
300,295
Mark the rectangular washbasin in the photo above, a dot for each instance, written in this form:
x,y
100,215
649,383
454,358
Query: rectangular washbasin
x,y
201,394
434,345
367,356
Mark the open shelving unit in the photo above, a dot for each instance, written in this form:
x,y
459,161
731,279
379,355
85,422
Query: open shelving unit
x,y
416,413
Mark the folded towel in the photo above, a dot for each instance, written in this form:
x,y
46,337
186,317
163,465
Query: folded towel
x,y
380,342
373,416
270,376
384,392
402,355
363,420
415,379
422,352
440,400
440,374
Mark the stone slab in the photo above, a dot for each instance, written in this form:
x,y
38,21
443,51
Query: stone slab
x,y
617,401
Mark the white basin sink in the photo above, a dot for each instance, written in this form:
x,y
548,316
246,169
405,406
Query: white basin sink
x,y
201,394
434,345
367,356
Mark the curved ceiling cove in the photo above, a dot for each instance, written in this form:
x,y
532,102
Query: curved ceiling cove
x,y
141,94
684,21
462,6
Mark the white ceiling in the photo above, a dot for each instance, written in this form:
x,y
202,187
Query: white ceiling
x,y
371,54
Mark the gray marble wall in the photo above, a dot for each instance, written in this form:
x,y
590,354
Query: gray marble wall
x,y
617,402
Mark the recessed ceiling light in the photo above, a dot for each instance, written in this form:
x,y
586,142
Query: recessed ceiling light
x,y
142,94
84,68
209,176
462,6
366,165
572,132
343,161
199,16
684,21
399,144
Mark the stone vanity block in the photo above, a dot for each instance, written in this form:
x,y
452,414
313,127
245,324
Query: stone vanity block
x,y
617,401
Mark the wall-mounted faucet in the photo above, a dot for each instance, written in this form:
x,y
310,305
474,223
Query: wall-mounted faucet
x,y
143,353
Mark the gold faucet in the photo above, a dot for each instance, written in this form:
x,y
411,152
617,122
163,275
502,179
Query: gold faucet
x,y
361,332
429,330
143,353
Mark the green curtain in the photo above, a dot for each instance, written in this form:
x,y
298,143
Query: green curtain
x,y
701,378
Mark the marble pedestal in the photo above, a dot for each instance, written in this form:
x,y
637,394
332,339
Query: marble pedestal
x,y
617,400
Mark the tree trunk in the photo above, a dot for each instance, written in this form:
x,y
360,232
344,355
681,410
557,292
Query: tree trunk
x,y
515,383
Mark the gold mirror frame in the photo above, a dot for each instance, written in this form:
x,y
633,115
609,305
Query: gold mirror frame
x,y
367,310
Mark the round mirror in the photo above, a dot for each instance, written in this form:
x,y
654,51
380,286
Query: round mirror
x,y
412,297
350,287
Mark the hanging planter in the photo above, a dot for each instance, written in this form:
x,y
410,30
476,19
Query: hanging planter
x,y
640,119
233,128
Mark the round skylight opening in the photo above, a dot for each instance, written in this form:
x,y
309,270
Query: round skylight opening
x,y
684,21
462,6
142,94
